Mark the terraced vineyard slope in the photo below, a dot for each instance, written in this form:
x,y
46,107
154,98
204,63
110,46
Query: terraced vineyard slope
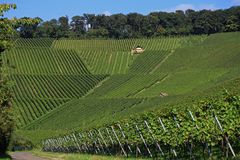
x,y
120,45
107,62
167,76
31,42
78,84
114,56
45,78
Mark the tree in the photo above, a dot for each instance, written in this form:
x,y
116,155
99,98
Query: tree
x,y
100,21
91,19
77,26
116,26
63,28
51,28
134,25
6,118
206,23
232,24
160,31
29,31
98,33
8,30
135,21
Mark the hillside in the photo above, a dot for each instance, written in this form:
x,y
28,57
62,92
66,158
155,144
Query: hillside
x,y
78,84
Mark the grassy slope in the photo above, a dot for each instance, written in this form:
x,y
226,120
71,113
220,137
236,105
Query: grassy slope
x,y
217,51
201,69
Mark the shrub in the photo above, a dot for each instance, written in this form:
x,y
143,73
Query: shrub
x,y
19,143
6,114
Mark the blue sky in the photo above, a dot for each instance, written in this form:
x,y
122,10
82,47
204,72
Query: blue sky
x,y
48,9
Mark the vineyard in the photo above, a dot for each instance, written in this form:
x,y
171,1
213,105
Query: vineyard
x,y
107,62
118,86
211,130
54,86
149,62
126,45
45,78
41,42
29,110
99,89
48,61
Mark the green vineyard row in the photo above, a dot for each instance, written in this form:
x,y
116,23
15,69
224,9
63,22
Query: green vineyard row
x,y
148,62
100,62
127,85
29,110
54,86
36,95
119,45
44,61
213,128
34,42
81,113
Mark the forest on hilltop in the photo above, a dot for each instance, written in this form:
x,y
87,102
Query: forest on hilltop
x,y
135,25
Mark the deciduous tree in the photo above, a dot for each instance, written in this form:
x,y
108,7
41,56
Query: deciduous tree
x,y
8,31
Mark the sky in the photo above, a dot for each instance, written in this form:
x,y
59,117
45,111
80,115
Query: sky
x,y
48,9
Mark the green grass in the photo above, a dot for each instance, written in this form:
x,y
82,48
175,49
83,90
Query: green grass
x,y
5,157
77,156
183,82
217,51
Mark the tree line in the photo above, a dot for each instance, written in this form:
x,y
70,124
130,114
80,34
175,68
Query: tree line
x,y
135,25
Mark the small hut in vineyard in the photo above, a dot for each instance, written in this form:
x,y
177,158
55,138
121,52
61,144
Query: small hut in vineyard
x,y
137,50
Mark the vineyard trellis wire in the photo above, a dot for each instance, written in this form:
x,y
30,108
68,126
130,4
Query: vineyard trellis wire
x,y
212,129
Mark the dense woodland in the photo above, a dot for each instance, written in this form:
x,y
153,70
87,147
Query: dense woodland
x,y
135,25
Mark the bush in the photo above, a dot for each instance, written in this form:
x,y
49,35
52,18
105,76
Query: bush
x,y
6,114
19,143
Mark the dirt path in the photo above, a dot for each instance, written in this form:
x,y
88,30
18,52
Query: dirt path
x,y
24,156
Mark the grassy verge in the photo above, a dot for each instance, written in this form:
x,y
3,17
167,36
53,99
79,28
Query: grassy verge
x,y
5,157
76,156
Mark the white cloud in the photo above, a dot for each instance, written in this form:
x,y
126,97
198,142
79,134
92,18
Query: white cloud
x,y
107,13
185,7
